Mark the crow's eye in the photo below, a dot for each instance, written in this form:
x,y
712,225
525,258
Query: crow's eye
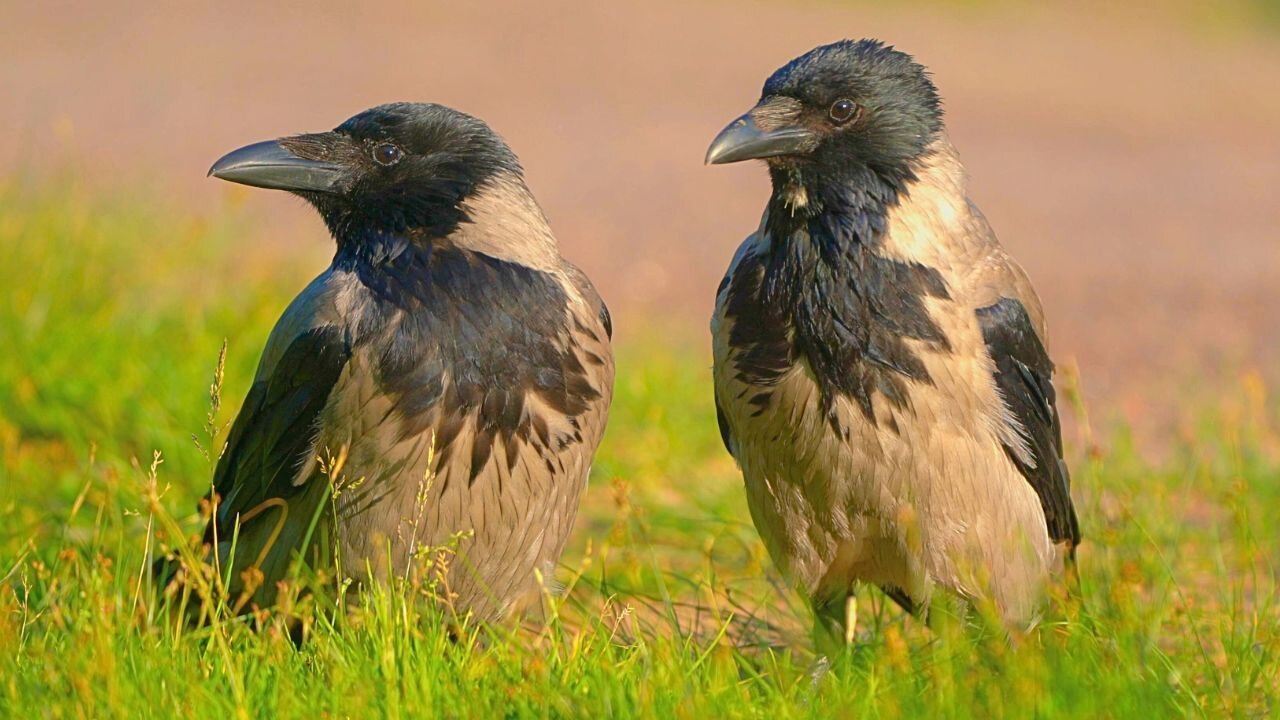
x,y
386,154
843,111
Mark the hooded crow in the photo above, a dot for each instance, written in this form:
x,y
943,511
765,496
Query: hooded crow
x,y
443,384
881,373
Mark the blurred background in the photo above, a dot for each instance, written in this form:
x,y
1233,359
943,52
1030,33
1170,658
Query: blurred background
x,y
1128,156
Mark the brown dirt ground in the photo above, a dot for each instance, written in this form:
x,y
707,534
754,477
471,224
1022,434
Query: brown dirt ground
x,y
1131,164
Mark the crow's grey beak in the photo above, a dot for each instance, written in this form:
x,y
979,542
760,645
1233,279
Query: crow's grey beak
x,y
743,139
270,165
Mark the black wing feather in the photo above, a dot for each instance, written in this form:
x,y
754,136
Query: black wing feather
x,y
273,434
723,422
900,596
1024,374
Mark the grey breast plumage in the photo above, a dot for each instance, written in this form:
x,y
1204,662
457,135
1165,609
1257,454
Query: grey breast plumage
x,y
881,373
428,408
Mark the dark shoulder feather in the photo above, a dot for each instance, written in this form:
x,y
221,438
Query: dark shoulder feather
x,y
272,436
1024,374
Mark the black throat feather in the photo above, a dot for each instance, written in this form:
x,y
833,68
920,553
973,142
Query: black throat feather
x,y
824,293
433,209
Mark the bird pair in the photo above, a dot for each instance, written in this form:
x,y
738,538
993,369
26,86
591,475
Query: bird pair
x,y
880,374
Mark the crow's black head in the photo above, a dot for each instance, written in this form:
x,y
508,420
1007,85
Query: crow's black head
x,y
394,168
836,112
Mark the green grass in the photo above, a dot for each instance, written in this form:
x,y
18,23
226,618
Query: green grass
x,y
111,321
